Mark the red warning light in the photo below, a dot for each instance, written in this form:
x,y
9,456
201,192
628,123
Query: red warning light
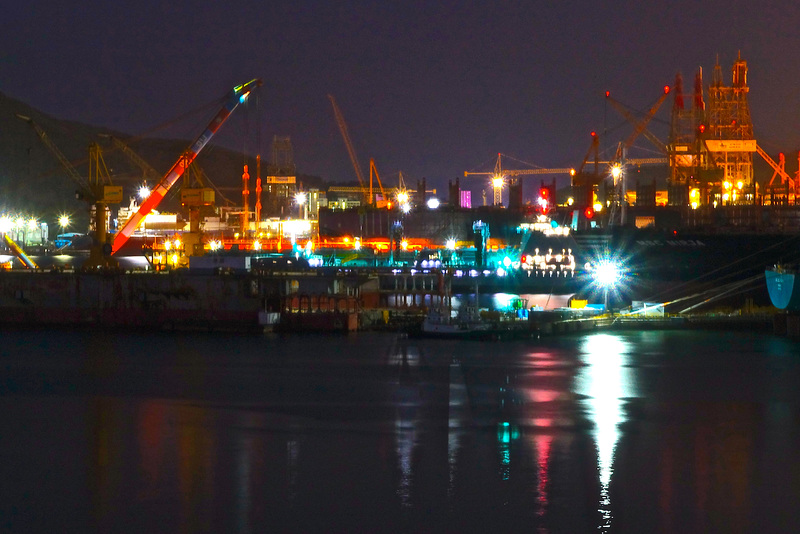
x,y
594,134
666,89
702,128
608,94
589,213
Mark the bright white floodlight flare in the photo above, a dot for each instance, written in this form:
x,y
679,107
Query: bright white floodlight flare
x,y
607,274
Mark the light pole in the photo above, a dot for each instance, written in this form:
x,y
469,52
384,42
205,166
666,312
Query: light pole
x,y
620,191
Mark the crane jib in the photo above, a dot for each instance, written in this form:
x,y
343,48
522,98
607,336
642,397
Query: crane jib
x,y
177,170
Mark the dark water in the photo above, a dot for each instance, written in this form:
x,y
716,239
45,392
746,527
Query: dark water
x,y
632,432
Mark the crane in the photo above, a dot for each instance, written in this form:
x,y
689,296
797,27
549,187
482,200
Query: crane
x,y
18,252
97,190
780,170
373,170
236,96
149,173
639,125
350,150
499,174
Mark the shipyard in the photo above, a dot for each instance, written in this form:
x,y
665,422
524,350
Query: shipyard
x,y
399,267
667,224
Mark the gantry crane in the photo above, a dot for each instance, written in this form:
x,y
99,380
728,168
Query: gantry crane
x,y
238,95
97,191
499,174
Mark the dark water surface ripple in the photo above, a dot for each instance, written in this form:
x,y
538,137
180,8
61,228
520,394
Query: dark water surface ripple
x,y
619,432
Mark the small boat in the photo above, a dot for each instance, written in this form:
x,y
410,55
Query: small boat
x,y
467,323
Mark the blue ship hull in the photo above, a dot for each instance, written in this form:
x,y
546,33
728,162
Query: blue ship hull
x,y
784,289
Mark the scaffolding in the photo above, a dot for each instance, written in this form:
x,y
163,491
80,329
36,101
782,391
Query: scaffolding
x,y
729,137
711,146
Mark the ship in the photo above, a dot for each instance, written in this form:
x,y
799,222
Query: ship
x,y
783,283
691,227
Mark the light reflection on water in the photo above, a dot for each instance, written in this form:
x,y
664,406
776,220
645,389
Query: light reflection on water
x,y
385,433
605,380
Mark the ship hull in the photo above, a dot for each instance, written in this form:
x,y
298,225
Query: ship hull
x,y
667,265
784,289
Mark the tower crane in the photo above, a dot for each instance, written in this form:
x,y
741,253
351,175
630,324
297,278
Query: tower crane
x,y
97,191
499,174
368,197
236,96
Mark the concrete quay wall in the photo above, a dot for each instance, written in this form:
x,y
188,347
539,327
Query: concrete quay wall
x,y
168,300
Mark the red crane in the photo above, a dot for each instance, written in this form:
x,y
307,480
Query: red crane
x,y
236,96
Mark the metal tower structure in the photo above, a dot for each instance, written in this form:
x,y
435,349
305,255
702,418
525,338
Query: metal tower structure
x,y
687,155
281,176
729,137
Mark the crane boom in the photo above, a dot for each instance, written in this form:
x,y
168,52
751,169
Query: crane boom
x,y
147,169
640,125
373,171
235,97
785,178
68,167
19,253
349,145
500,171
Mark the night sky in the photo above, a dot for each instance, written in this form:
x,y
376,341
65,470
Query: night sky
x,y
427,88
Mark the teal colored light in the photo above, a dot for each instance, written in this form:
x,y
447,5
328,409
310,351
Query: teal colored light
x,y
553,224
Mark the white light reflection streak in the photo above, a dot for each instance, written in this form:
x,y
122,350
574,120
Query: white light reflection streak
x,y
457,404
605,381
406,357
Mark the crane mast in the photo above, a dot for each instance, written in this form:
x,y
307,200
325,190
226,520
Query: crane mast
x,y
237,95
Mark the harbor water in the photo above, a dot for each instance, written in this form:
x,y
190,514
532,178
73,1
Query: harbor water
x,y
656,431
